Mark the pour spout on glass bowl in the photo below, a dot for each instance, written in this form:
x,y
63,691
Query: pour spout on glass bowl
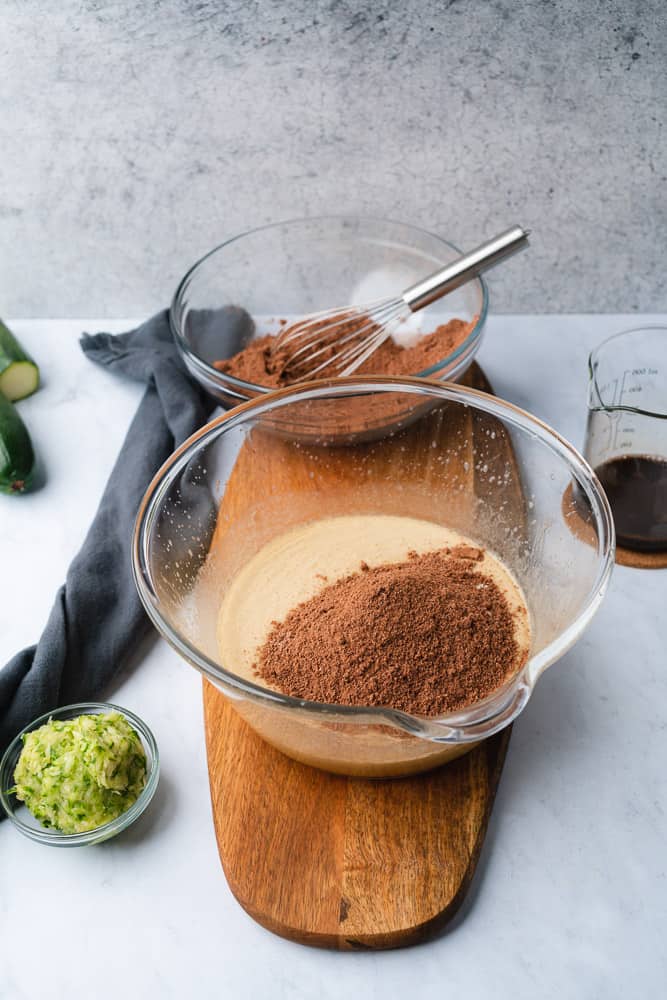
x,y
440,452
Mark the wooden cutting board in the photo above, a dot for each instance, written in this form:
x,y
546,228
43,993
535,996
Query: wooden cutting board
x,y
335,861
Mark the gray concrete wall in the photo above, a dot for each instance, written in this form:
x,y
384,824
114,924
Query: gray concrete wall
x,y
135,135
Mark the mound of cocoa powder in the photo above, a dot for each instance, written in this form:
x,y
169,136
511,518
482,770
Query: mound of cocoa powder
x,y
256,363
429,635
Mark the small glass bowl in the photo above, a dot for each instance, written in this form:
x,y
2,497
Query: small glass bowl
x,y
23,819
294,268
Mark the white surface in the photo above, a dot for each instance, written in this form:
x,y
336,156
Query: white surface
x,y
570,895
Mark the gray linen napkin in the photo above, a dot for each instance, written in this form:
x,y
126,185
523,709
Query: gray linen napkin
x,y
97,619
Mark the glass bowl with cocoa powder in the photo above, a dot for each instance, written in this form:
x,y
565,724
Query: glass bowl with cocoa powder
x,y
380,606
233,301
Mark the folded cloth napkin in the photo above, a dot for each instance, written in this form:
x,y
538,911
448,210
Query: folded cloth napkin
x,y
97,618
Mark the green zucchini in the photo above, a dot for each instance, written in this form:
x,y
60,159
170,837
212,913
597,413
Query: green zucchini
x,y
17,459
19,375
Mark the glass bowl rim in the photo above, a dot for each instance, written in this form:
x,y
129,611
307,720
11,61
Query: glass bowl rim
x,y
593,358
210,373
115,826
484,717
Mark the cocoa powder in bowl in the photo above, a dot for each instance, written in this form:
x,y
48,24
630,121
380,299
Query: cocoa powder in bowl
x,y
430,635
257,365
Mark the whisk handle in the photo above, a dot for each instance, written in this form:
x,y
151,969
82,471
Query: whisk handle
x,y
466,267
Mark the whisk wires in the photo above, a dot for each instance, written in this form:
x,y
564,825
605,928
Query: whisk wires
x,y
336,341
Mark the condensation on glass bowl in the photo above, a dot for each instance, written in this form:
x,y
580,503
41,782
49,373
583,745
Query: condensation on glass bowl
x,y
468,461
241,289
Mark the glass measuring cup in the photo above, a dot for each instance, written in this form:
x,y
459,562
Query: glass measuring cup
x,y
626,433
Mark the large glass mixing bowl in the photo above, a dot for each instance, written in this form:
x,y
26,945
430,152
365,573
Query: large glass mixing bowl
x,y
240,289
457,457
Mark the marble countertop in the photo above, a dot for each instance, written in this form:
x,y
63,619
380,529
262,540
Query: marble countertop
x,y
570,896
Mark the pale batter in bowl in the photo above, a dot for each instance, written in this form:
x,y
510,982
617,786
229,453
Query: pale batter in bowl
x,y
296,565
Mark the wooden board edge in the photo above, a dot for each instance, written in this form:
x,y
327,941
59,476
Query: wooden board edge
x,y
402,938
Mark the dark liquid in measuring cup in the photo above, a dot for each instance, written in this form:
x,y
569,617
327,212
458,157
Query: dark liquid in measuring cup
x,y
637,489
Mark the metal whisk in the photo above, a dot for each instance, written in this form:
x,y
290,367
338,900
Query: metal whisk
x,y
337,341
